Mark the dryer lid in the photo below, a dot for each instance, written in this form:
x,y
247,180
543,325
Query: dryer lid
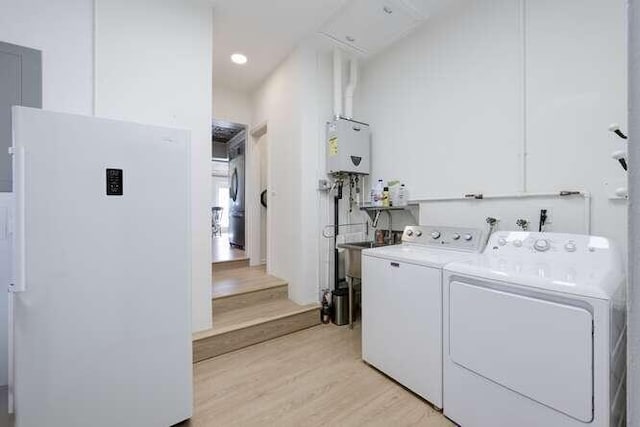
x,y
567,263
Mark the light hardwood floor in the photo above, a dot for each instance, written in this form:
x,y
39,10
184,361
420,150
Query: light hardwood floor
x,y
222,251
310,378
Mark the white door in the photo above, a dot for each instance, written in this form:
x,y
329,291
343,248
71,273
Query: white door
x,y
262,152
101,293
402,324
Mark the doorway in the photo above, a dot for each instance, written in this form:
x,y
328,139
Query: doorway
x,y
228,191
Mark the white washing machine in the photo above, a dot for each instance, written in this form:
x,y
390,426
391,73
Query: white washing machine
x,y
534,333
402,304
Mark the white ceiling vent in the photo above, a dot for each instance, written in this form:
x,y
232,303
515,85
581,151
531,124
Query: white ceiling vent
x,y
368,26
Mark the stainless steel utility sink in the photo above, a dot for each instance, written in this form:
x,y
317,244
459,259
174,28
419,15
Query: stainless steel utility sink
x,y
353,261
358,246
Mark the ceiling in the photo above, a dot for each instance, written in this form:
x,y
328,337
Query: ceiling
x,y
265,31
223,131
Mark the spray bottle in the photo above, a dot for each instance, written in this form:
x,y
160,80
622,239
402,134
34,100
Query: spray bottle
x,y
325,312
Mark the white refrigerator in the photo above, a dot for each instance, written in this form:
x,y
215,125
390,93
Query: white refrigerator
x,y
100,301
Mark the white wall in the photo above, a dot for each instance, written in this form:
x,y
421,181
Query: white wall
x,y
294,103
231,105
154,66
576,87
316,107
277,102
633,319
63,31
452,105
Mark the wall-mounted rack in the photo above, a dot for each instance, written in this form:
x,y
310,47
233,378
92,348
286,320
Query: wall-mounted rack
x,y
374,211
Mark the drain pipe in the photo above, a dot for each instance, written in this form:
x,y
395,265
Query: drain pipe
x,y
337,83
351,88
336,222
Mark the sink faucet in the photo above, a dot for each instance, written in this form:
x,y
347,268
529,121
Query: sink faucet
x,y
374,224
390,238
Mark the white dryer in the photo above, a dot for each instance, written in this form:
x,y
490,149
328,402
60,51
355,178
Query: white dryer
x,y
534,333
402,304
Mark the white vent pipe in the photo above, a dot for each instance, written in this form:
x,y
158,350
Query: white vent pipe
x,y
351,88
337,82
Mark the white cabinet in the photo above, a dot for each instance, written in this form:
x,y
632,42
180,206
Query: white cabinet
x,y
402,323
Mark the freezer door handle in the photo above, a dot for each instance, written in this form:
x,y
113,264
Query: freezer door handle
x,y
11,355
19,267
234,185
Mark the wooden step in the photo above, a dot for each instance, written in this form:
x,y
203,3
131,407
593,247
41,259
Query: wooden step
x,y
242,327
234,301
233,264
242,280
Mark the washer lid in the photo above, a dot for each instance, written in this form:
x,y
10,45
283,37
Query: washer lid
x,y
420,255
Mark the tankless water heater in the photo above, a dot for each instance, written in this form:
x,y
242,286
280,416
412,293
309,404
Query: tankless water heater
x,y
348,147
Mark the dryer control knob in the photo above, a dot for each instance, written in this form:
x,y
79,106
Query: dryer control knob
x,y
570,246
418,233
409,232
502,241
517,243
468,237
435,235
542,245
455,236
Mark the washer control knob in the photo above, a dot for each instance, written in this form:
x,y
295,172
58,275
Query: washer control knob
x,y
502,241
409,232
542,245
570,246
468,237
517,243
455,236
418,233
435,235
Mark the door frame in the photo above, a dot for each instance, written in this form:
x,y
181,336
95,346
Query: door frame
x,y
257,135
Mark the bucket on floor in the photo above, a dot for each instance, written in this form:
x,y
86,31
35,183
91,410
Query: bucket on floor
x,y
340,306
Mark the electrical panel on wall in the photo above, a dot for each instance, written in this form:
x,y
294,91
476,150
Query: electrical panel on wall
x,y
348,147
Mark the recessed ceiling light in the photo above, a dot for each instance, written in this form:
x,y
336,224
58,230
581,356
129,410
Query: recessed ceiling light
x,y
238,58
